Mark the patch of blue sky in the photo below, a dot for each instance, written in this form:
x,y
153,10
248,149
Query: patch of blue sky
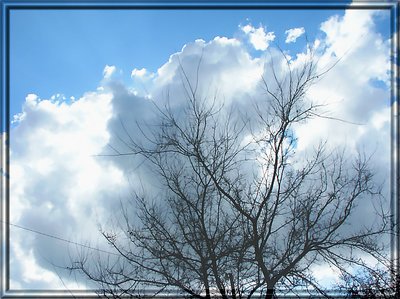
x,y
382,24
65,51
378,84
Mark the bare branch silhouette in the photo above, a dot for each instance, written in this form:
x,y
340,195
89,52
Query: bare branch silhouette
x,y
238,219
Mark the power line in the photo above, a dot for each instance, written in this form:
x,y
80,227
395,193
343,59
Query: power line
x,y
59,238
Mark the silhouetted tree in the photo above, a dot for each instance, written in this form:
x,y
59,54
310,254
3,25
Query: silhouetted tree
x,y
381,281
240,213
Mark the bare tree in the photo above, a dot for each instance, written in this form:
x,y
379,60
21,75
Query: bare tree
x,y
381,281
240,218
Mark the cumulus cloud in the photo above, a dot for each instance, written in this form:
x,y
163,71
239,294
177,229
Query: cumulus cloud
x,y
57,179
293,34
59,142
259,38
108,71
347,90
357,112
225,68
143,77
138,73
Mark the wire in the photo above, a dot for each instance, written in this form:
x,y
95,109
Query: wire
x,y
58,238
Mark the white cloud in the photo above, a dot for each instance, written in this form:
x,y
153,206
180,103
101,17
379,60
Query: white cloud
x,y
18,117
293,34
327,275
247,28
362,110
354,34
381,118
346,89
258,37
34,275
142,75
57,179
138,73
226,68
31,99
108,71
57,97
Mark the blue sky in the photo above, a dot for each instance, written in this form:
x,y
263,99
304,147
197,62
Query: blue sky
x,y
65,51
90,55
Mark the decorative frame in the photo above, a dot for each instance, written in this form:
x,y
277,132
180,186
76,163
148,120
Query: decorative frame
x,y
8,6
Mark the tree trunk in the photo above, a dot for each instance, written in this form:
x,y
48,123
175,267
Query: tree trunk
x,y
270,293
232,286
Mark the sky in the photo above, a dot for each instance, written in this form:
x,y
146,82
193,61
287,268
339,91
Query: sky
x,y
75,74
81,42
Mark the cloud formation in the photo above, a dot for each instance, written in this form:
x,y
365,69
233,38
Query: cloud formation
x,y
140,73
108,71
56,179
258,37
293,34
